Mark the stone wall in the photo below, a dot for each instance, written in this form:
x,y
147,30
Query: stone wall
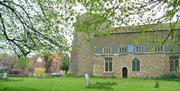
x,y
151,65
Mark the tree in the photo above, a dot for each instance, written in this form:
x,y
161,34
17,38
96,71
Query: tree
x,y
38,26
22,63
119,13
32,26
9,61
47,62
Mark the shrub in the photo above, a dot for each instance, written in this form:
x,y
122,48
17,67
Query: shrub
x,y
39,72
168,76
65,63
22,63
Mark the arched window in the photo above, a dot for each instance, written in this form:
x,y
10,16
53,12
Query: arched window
x,y
135,65
177,64
108,64
174,64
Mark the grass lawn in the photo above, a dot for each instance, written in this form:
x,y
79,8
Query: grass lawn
x,y
78,84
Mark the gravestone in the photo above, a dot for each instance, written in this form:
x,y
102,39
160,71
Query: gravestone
x,y
4,75
87,80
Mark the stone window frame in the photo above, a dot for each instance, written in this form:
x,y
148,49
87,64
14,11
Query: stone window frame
x,y
139,48
136,65
107,50
159,48
122,49
108,65
174,63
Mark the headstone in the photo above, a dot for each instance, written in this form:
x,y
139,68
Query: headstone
x,y
4,76
87,80
62,72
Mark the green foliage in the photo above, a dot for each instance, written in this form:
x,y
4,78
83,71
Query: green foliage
x,y
47,61
37,24
65,63
170,77
22,63
47,64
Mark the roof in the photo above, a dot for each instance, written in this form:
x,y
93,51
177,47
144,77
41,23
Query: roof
x,y
144,28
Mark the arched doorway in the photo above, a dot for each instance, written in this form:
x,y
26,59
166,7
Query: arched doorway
x,y
124,72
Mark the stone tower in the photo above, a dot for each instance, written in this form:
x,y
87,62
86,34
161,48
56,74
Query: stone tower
x,y
81,61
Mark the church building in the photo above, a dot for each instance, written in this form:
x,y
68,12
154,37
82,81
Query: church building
x,y
125,52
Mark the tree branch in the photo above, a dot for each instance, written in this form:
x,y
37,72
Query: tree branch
x,y
171,31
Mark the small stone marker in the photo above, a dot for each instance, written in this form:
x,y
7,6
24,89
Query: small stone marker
x,y
4,76
87,80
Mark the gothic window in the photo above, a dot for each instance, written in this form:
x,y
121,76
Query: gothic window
x,y
139,48
174,63
123,49
159,48
107,50
115,50
130,48
135,65
108,64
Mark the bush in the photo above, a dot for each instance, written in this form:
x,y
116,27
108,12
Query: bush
x,y
170,76
65,63
22,63
40,72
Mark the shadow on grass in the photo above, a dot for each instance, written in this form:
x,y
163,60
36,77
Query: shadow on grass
x,y
103,85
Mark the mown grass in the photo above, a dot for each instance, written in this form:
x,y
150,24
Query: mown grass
x,y
78,84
